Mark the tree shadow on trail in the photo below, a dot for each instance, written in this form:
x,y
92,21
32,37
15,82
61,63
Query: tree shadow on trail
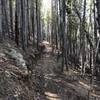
x,y
56,89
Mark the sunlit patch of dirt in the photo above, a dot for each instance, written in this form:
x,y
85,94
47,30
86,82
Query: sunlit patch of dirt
x,y
52,96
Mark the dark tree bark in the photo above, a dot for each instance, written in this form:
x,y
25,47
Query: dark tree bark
x,y
11,18
16,26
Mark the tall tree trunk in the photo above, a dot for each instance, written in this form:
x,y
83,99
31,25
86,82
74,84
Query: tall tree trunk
x,y
11,18
83,37
16,25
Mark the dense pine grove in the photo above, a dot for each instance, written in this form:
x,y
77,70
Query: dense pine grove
x,y
61,37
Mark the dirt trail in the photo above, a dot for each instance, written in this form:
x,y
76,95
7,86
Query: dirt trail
x,y
57,87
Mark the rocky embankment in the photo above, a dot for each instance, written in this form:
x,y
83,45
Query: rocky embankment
x,y
15,80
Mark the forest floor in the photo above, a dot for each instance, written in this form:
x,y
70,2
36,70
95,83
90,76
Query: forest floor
x,y
67,86
59,86
17,84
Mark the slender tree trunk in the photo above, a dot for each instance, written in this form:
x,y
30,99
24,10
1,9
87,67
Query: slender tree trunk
x,y
11,18
16,25
83,37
